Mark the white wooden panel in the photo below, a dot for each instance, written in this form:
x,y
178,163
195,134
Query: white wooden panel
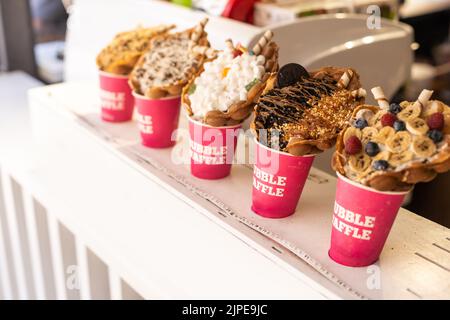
x,y
98,277
5,284
19,207
128,293
57,258
45,250
34,248
83,270
16,243
15,155
115,284
6,289
72,272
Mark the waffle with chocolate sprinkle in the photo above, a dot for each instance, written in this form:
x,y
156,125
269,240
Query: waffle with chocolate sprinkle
x,y
169,63
122,54
307,116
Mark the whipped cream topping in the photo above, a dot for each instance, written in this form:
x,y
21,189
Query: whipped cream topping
x,y
225,81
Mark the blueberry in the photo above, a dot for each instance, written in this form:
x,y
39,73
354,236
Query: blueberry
x,y
399,125
395,108
361,123
435,135
289,74
372,149
380,165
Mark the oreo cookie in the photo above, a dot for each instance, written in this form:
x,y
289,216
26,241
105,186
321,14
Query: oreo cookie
x,y
289,74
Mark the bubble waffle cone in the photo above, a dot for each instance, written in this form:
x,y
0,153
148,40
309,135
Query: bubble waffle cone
x,y
169,63
239,111
414,150
122,54
306,116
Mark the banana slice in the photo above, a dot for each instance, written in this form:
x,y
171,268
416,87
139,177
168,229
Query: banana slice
x,y
398,159
362,175
352,131
368,134
384,134
417,126
404,104
359,163
446,110
423,146
432,107
447,123
365,114
399,142
383,155
411,112
375,120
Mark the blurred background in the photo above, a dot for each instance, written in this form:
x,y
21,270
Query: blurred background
x,y
33,34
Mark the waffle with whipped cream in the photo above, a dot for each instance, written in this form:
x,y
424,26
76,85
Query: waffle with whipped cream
x,y
225,91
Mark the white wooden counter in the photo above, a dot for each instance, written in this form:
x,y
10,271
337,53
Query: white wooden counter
x,y
168,235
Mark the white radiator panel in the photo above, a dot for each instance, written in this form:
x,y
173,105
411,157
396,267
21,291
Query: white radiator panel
x,y
42,259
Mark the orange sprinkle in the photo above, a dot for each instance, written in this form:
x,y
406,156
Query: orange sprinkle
x,y
225,72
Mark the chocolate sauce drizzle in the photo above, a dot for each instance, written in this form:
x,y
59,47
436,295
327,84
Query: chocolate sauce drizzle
x,y
281,106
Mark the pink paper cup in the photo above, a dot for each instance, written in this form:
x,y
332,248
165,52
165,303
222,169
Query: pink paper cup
x,y
212,149
278,181
157,119
362,220
117,102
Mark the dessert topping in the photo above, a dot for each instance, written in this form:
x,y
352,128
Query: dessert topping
x,y
395,108
353,145
423,146
381,165
372,149
289,74
388,119
399,125
361,123
436,121
417,126
436,136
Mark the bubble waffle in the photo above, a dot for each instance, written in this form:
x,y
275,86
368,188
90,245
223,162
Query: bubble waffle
x,y
232,107
169,63
302,113
121,55
395,156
